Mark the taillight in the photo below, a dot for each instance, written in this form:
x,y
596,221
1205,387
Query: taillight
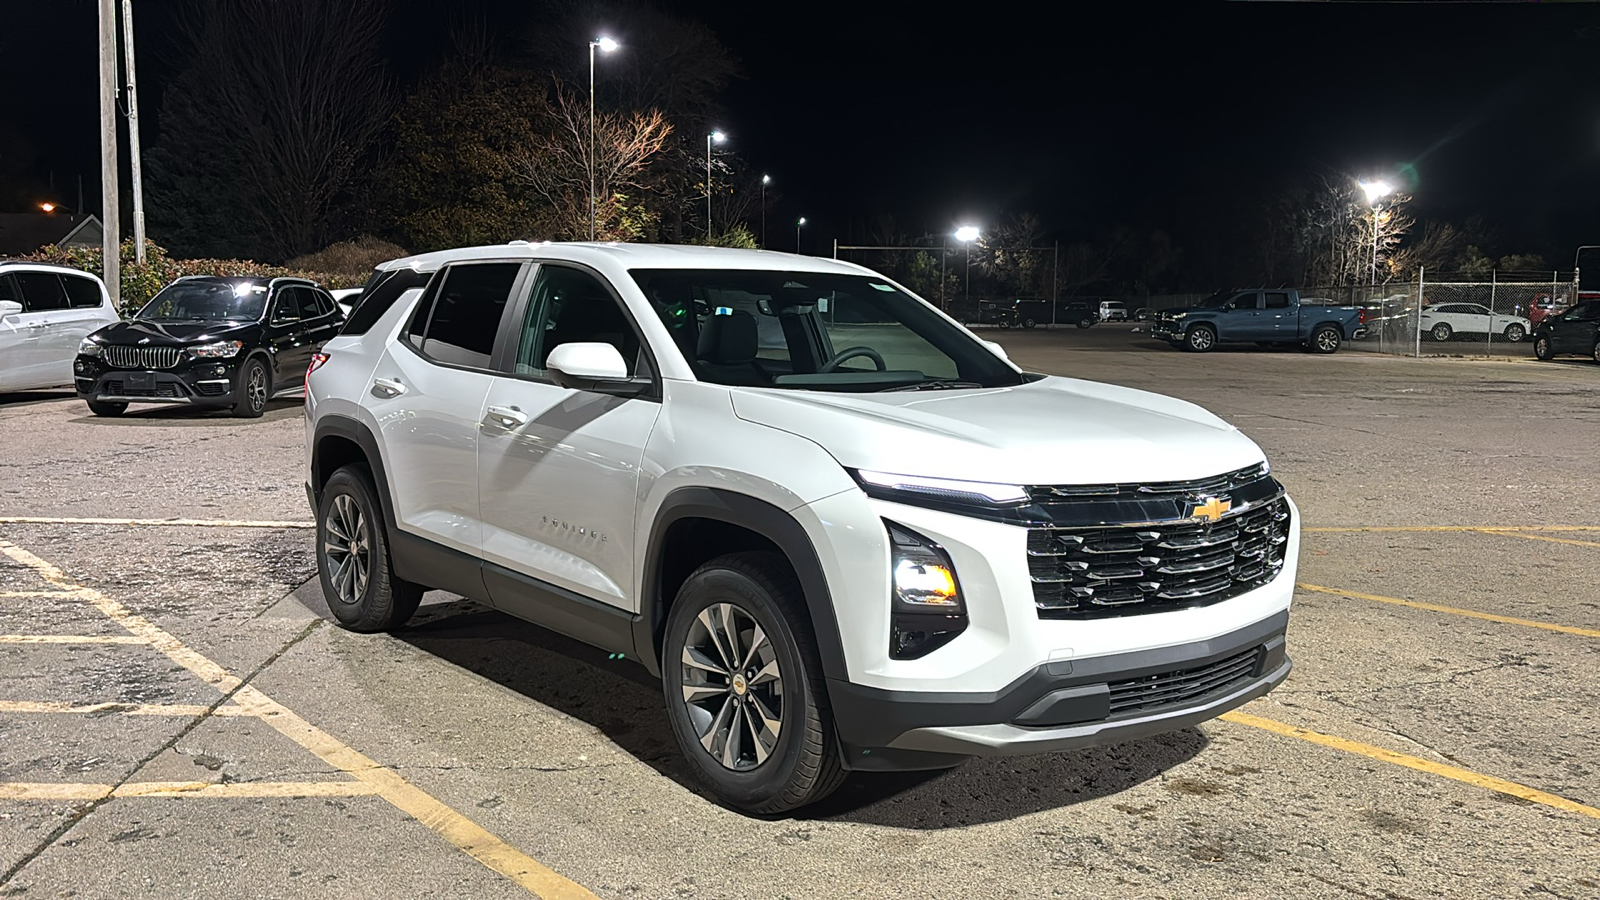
x,y
1361,319
317,359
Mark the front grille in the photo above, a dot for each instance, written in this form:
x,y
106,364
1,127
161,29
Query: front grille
x,y
1123,570
1217,484
116,388
1164,689
124,357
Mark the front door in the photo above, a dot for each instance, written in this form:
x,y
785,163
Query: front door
x,y
286,335
1574,330
427,394
558,469
1243,320
42,341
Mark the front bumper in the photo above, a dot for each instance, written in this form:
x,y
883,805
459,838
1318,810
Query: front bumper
x,y
1063,705
1167,331
191,383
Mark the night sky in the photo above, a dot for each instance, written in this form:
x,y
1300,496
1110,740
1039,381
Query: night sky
x,y
1123,113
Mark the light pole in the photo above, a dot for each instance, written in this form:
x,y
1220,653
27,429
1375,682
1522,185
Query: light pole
x,y
765,180
714,137
606,45
966,234
1375,190
797,224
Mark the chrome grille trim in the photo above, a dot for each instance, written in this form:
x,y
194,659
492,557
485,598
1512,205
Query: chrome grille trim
x,y
1228,481
120,356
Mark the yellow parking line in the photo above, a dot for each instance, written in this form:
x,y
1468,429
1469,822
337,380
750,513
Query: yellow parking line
x,y
1455,611
467,835
189,523
1466,776
32,707
23,790
1508,529
1540,537
70,639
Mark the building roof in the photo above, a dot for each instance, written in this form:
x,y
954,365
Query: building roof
x,y
22,233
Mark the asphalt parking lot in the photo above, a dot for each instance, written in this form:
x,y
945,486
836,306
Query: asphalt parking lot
x,y
178,718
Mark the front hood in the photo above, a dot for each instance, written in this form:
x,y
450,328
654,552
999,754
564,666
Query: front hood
x,y
1180,311
136,331
1051,431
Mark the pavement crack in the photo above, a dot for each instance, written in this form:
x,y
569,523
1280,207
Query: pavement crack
x,y
89,807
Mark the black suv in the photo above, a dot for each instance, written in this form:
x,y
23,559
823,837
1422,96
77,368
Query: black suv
x,y
209,341
1575,331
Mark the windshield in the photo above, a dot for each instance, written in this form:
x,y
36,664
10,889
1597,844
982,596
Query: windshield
x,y
207,300
812,331
1216,301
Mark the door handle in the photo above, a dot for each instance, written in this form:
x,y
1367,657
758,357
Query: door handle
x,y
505,417
384,388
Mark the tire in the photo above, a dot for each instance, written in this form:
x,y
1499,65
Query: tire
x,y
1085,322
350,532
1028,323
251,391
707,706
1543,349
109,410
1596,353
1515,332
1005,324
1199,339
1325,339
1441,332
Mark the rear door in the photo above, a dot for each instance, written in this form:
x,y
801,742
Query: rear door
x,y
1280,317
18,354
49,342
1574,330
427,395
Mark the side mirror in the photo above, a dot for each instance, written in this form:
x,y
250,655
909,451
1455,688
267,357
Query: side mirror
x,y
592,367
9,308
996,349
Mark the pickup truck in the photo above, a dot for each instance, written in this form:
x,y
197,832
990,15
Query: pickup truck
x,y
1270,317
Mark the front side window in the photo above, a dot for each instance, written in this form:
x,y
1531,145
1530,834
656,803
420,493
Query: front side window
x,y
242,301
463,319
570,306
814,331
1245,301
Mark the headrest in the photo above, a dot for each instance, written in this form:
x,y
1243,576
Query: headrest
x,y
728,339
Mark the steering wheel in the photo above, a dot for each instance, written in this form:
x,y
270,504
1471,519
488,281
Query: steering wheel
x,y
852,353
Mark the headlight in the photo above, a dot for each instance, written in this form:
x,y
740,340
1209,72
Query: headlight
x,y
218,350
88,347
914,488
925,606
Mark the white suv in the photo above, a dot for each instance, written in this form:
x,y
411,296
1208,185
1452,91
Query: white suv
x,y
45,313
844,532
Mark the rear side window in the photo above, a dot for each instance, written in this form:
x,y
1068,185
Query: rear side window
x,y
1277,300
466,312
380,293
81,292
306,298
41,291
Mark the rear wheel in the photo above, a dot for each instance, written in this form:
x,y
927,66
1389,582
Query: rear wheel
x,y
1325,339
1542,348
1199,339
101,408
1028,323
1441,332
1515,332
353,560
744,688
1596,353
1085,322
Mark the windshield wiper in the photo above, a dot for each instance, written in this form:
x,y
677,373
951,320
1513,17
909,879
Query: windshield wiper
x,y
935,385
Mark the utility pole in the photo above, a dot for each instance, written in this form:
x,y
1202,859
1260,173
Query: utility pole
x,y
110,244
133,133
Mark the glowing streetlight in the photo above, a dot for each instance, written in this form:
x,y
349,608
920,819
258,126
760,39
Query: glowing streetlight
x,y
966,234
48,207
797,224
1375,191
765,180
605,45
715,137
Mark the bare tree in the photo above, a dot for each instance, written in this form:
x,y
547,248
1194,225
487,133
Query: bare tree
x,y
1345,239
557,166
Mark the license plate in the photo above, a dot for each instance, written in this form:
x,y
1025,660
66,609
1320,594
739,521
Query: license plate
x,y
142,381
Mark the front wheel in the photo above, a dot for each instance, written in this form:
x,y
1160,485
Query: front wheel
x,y
252,389
1325,339
1085,322
1199,339
353,560
1543,349
110,410
1515,332
744,688
1441,332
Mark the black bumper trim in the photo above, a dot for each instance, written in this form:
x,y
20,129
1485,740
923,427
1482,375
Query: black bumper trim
x,y
869,719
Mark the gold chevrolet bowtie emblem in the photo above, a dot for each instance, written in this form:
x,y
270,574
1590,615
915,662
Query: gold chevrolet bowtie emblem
x,y
1210,509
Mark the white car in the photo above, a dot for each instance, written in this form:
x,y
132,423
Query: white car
x,y
846,533
45,312
1113,311
346,299
1446,320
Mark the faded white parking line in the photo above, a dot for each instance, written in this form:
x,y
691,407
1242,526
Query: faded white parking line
x,y
187,523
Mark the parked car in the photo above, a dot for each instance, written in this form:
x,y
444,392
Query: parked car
x,y
1265,316
1544,306
208,341
44,312
801,497
1574,331
1031,313
1444,321
1113,311
346,298
1143,314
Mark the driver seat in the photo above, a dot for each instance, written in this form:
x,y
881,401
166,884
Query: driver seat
x,y
727,350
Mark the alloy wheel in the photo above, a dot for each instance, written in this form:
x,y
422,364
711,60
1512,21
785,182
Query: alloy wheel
x,y
1327,340
256,388
732,687
347,548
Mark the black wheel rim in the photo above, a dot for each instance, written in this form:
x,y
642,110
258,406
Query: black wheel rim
x,y
732,687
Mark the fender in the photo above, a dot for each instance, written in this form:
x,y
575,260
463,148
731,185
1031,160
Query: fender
x,y
762,518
